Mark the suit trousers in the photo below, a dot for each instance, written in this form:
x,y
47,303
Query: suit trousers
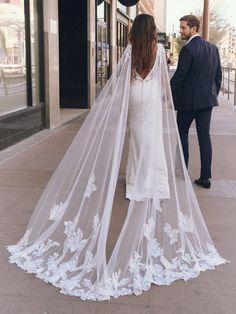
x,y
202,119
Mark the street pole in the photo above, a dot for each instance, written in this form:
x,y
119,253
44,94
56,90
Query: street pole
x,y
205,24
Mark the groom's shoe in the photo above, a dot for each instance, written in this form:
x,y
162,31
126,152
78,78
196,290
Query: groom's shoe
x,y
205,183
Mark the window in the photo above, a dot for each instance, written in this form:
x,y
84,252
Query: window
x,y
19,60
34,53
122,38
12,57
103,44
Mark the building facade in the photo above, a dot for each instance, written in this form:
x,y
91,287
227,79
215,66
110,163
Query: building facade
x,y
57,54
227,47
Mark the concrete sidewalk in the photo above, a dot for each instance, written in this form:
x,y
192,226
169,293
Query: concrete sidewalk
x,y
25,170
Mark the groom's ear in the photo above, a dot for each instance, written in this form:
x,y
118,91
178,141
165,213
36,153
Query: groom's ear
x,y
194,28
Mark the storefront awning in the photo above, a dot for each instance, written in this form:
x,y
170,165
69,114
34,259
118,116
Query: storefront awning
x,y
127,3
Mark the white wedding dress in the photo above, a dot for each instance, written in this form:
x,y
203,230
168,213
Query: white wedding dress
x,y
146,132
164,237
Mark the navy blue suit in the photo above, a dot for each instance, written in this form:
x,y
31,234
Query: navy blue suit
x,y
195,86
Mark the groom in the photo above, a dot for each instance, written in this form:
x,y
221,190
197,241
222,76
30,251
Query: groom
x,y
195,86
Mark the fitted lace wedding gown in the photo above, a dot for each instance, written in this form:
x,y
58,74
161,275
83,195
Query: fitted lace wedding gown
x,y
164,236
146,132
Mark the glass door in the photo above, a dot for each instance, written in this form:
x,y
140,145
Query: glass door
x,y
102,54
103,45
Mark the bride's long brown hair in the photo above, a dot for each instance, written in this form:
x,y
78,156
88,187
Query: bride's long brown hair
x,y
142,37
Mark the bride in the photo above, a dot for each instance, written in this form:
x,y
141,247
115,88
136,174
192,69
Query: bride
x,y
164,237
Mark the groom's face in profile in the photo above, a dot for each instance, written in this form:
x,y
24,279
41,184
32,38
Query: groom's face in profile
x,y
185,31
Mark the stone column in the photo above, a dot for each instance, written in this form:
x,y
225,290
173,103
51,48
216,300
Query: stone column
x,y
91,51
113,34
205,24
51,52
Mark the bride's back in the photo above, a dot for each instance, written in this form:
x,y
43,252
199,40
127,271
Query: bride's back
x,y
143,38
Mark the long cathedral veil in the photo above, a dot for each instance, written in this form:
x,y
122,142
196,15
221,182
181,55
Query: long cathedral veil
x,y
65,242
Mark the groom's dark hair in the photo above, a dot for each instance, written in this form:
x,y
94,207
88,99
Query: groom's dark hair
x,y
192,21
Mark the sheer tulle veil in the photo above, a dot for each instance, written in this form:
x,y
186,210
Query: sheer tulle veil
x,y
65,241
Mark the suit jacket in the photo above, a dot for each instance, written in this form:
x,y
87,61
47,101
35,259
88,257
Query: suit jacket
x,y
197,80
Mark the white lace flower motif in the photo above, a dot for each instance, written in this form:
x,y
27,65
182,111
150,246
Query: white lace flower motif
x,y
70,226
188,258
156,250
134,263
53,258
186,223
57,211
76,241
44,247
211,249
95,222
60,271
172,233
70,265
35,266
91,187
70,284
89,262
115,284
149,228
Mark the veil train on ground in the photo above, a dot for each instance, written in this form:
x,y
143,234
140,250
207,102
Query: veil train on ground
x,y
161,240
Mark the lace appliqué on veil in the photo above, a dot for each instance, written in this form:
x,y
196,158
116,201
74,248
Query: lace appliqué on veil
x,y
172,233
149,228
57,211
75,238
155,269
186,223
91,187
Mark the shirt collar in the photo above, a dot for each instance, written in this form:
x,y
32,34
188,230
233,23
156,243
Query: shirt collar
x,y
197,35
